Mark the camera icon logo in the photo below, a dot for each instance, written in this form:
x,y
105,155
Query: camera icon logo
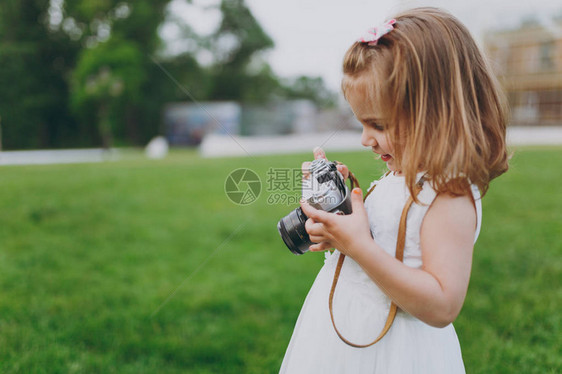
x,y
242,186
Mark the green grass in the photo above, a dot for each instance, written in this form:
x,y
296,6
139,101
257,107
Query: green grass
x,y
89,255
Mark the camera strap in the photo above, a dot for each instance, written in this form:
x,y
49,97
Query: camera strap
x,y
400,243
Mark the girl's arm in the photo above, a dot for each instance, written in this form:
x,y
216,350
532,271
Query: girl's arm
x,y
435,293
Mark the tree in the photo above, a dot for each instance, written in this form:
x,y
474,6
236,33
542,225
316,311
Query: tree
x,y
114,77
34,61
312,88
239,73
90,72
107,79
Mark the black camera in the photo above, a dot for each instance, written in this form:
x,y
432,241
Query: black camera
x,y
324,189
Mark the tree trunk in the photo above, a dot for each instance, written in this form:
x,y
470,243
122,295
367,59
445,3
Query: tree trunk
x,y
104,127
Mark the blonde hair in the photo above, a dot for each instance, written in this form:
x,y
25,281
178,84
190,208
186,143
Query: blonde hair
x,y
441,104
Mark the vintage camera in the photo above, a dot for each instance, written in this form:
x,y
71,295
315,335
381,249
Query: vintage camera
x,y
324,189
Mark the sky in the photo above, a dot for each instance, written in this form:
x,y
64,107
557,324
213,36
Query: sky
x,y
311,36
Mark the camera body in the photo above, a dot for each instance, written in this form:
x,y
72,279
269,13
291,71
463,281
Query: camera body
x,y
325,189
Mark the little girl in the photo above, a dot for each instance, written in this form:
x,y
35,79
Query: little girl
x,y
431,108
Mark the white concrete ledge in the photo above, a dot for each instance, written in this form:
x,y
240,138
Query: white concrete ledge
x,y
531,135
63,156
225,145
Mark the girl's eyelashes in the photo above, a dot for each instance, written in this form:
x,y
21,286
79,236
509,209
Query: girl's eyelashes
x,y
376,126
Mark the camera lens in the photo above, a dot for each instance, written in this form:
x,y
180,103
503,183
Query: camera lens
x,y
292,231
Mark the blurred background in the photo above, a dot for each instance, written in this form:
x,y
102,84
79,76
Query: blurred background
x,y
120,123
82,74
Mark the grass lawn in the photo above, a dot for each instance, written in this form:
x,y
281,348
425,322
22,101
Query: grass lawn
x,y
143,266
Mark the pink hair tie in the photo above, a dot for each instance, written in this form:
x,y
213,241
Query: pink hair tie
x,y
373,35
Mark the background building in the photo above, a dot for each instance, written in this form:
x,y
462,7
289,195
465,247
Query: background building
x,y
528,62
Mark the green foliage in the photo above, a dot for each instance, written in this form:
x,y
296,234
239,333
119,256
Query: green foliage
x,y
110,70
244,36
127,20
90,256
112,80
33,67
236,44
312,88
106,81
87,72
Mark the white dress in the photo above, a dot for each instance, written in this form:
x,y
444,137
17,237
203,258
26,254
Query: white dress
x,y
361,308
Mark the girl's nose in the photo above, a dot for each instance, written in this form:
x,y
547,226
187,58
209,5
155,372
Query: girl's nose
x,y
367,140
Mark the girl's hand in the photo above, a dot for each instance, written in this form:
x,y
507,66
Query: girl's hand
x,y
319,153
344,232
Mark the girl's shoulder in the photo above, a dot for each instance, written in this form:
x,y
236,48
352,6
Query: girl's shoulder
x,y
464,205
392,190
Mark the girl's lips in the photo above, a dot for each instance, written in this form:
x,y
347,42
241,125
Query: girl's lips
x,y
386,157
